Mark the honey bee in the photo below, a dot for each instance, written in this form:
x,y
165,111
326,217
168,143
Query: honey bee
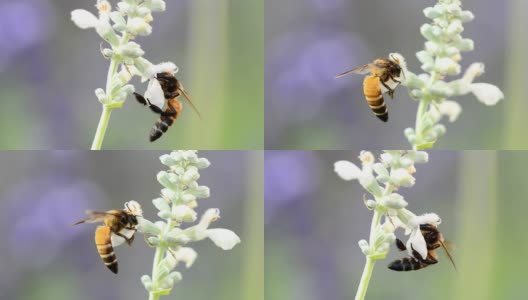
x,y
433,240
119,227
169,88
384,78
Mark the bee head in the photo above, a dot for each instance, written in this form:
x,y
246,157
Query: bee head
x,y
400,64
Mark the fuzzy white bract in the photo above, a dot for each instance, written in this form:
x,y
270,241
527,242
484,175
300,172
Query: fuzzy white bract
x,y
176,206
441,58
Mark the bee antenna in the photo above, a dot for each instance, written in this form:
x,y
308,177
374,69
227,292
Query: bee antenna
x,y
448,255
186,96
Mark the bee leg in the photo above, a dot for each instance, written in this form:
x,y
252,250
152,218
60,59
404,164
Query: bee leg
x,y
128,240
155,109
400,245
428,260
140,99
390,91
397,81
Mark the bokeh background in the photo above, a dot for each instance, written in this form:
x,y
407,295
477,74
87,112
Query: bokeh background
x,y
310,41
49,70
43,193
314,221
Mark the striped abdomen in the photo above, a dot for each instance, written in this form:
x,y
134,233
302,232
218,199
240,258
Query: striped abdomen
x,y
372,91
170,114
104,247
407,264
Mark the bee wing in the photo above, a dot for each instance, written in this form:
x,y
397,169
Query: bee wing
x,y
94,216
188,98
154,93
447,246
364,69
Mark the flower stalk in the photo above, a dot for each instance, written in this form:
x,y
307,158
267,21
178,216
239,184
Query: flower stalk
x,y
176,206
381,179
441,58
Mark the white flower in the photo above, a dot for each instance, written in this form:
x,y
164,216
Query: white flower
x,y
154,93
186,255
366,158
84,19
451,109
416,240
183,213
139,26
347,170
393,201
104,7
428,218
223,238
486,93
402,177
164,67
209,217
134,208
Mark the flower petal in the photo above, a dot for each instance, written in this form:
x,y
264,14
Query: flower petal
x,y
223,238
451,109
186,255
347,170
84,19
417,242
486,93
164,67
154,93
402,177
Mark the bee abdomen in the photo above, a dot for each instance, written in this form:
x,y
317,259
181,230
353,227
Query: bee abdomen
x,y
372,91
162,125
104,247
406,264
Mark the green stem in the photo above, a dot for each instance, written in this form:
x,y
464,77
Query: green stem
x,y
365,279
369,265
160,251
105,115
101,128
422,109
158,256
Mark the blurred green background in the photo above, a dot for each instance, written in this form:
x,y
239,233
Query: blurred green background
x,y
43,256
314,221
310,41
49,70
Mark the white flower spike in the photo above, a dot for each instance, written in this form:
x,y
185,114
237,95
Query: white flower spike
x,y
167,236
441,58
